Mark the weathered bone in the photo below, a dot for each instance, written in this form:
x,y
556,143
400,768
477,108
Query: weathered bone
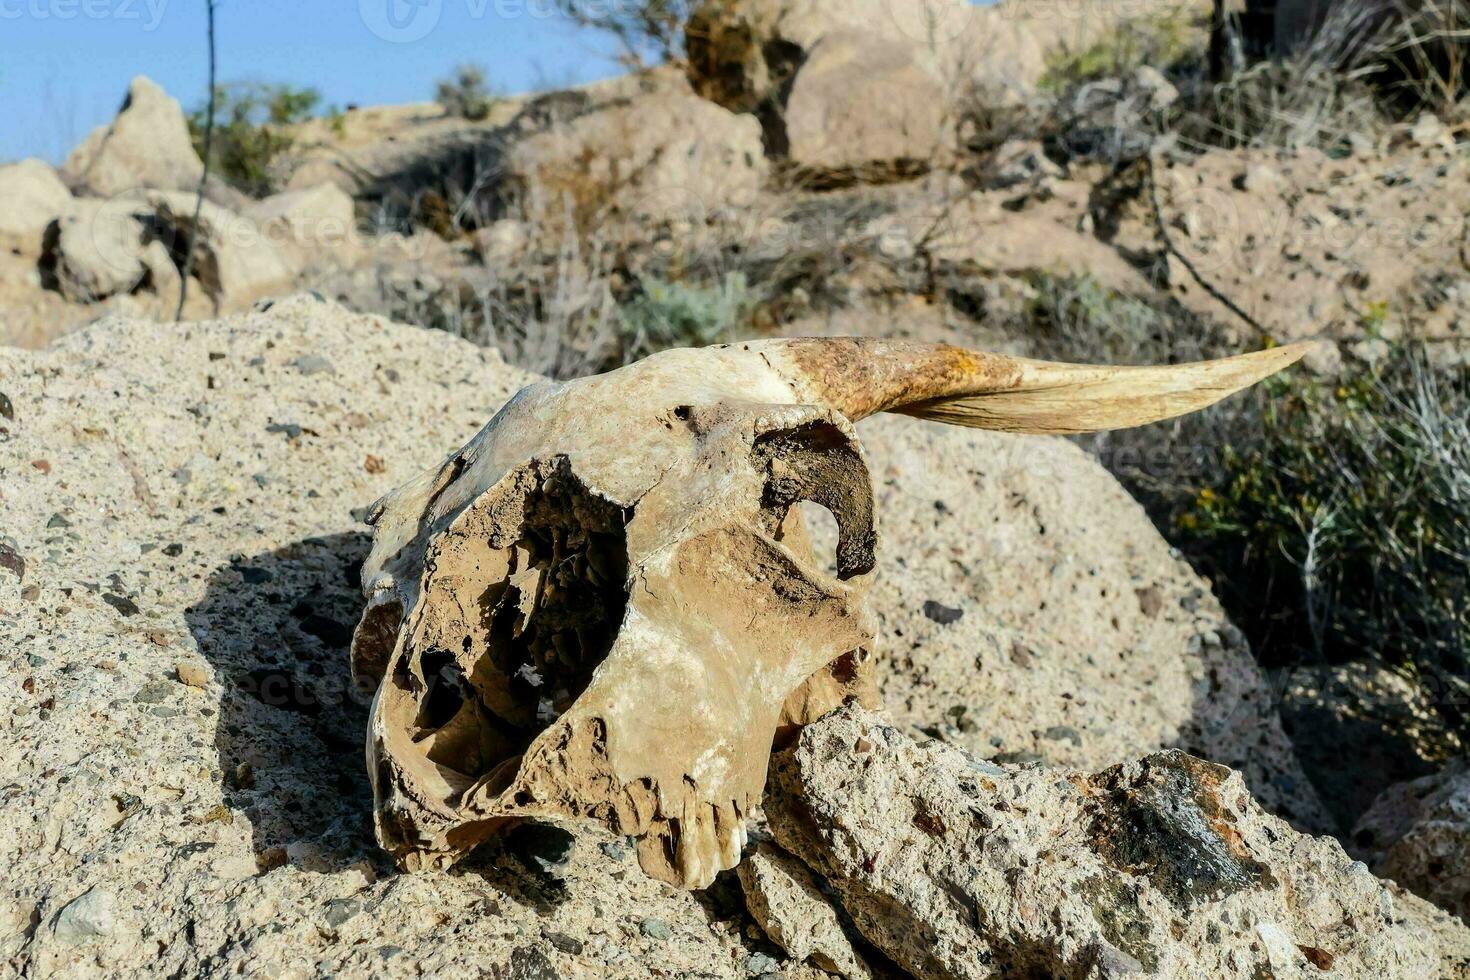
x,y
604,606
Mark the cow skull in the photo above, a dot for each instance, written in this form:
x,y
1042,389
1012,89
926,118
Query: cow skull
x,y
605,608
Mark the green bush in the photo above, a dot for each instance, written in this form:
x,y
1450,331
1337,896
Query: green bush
x,y
1332,516
679,314
1343,532
1181,37
252,131
465,94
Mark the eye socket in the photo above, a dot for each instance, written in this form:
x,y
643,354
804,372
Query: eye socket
x,y
819,465
821,532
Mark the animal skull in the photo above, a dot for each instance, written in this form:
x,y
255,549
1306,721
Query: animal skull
x,y
604,607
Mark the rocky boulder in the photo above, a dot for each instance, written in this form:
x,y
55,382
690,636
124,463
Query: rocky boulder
x,y
787,902
312,225
1418,834
1029,611
1305,244
98,249
1162,866
235,259
867,89
31,197
663,155
146,147
178,584
176,592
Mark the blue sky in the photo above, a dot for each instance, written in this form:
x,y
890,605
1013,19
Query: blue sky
x,y
65,64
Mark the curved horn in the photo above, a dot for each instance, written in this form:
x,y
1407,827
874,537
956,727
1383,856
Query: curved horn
x,y
863,376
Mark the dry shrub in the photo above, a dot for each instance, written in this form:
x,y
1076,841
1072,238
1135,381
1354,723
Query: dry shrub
x,y
1333,515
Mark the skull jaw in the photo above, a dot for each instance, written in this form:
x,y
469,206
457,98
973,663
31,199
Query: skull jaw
x,y
682,838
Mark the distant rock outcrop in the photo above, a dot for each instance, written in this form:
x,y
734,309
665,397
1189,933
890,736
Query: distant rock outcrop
x,y
878,89
147,147
31,197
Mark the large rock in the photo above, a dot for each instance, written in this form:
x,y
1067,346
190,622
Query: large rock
x,y
1418,834
1308,247
96,249
393,152
146,147
982,232
235,259
665,154
841,88
1029,610
873,88
313,226
31,197
784,898
194,525
1160,867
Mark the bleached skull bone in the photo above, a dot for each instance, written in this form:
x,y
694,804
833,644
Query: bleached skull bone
x,y
604,607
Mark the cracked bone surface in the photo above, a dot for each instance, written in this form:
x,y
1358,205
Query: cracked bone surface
x,y
604,606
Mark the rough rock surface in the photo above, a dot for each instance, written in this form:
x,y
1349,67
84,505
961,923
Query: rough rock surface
x,y
146,147
785,900
1029,610
96,249
309,218
1309,244
667,154
854,86
235,259
859,86
31,197
172,518
194,515
1418,834
1007,232
1159,867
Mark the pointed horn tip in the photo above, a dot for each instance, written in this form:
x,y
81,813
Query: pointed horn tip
x,y
1289,354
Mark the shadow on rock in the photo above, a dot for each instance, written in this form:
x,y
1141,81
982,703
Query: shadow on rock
x,y
276,627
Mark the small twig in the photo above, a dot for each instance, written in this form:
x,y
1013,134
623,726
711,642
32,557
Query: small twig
x,y
188,268
1172,249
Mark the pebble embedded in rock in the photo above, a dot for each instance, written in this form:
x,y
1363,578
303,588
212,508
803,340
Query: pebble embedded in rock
x,y
759,965
615,850
154,692
313,364
193,675
656,929
942,614
89,916
12,562
122,604
339,910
